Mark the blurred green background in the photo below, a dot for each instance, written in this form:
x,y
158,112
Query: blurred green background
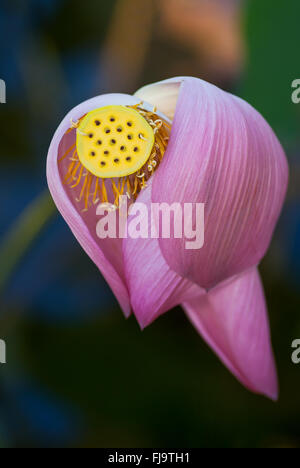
x,y
78,374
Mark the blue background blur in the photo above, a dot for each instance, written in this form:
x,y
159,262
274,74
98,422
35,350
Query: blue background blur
x,y
78,374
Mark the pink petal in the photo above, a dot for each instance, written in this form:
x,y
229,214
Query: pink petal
x,y
106,253
163,95
233,320
224,154
153,287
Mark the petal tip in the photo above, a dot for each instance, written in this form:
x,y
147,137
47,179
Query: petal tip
x,y
273,393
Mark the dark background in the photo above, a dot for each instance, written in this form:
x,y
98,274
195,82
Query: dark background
x,y
78,374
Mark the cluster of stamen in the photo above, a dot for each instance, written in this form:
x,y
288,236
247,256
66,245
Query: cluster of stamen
x,y
113,157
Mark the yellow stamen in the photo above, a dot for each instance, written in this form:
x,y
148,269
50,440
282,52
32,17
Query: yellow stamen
x,y
69,173
95,199
114,141
104,192
83,189
75,170
67,152
79,178
130,131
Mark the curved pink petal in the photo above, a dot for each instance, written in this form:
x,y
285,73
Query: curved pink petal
x,y
233,320
153,287
106,253
163,95
224,154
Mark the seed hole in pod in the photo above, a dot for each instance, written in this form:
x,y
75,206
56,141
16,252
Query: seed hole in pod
x,y
91,135
106,153
107,130
113,142
99,142
97,123
93,153
141,136
112,119
119,129
116,160
136,148
103,163
129,124
128,158
122,148
130,136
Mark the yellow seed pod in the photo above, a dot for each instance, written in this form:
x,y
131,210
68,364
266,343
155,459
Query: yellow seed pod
x,y
114,141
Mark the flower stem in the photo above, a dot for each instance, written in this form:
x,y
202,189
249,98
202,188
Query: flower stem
x,y
22,234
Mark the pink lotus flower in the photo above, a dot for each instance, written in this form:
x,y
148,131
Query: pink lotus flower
x,y
220,152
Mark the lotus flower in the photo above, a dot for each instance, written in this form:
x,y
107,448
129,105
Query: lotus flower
x,y
208,147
